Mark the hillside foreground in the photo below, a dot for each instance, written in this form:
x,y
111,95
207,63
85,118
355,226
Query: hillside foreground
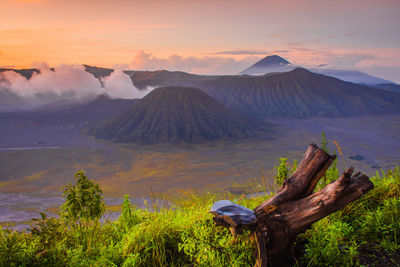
x,y
365,232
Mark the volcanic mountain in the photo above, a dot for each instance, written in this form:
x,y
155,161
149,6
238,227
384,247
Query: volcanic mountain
x,y
299,93
175,114
276,63
269,64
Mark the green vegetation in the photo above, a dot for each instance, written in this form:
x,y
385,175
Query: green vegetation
x,y
83,201
282,171
333,172
185,234
371,222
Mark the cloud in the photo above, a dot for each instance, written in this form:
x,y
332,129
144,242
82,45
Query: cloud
x,y
228,63
41,65
347,59
200,65
302,49
295,44
64,80
350,59
351,34
381,63
29,1
120,66
69,83
250,52
119,85
305,42
241,52
390,73
280,51
298,55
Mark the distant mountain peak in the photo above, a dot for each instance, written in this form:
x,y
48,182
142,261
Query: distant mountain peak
x,y
275,63
272,61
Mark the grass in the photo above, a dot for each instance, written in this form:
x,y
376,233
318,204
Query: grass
x,y
373,221
184,234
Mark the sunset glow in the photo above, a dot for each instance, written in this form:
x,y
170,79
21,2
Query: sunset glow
x,y
211,37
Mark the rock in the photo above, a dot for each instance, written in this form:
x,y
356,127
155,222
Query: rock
x,y
232,213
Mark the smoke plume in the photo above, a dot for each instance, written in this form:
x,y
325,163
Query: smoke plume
x,y
68,83
119,85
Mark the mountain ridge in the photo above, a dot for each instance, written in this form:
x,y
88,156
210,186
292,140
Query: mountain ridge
x,y
275,63
174,115
299,93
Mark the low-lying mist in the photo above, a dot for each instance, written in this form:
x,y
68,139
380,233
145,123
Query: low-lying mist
x,y
63,84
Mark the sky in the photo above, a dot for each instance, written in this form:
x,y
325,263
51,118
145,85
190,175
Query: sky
x,y
203,36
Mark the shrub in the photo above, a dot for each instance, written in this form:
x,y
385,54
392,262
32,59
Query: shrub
x,y
84,201
282,172
129,215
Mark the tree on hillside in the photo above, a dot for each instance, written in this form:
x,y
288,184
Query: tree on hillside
x,y
83,201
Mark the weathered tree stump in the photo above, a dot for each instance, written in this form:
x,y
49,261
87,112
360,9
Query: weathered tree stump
x,y
294,208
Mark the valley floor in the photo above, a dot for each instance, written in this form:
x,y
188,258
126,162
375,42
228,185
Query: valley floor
x,y
54,152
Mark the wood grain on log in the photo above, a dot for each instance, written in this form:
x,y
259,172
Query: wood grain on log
x,y
303,181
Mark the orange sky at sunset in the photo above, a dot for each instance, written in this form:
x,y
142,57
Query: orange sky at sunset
x,y
212,37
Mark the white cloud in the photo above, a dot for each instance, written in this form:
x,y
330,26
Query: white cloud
x,y
68,82
119,85
200,65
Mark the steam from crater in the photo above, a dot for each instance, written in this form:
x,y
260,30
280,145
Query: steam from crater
x,y
68,82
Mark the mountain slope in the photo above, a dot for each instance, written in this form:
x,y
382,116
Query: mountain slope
x,y
353,76
388,86
27,73
175,114
269,64
160,78
94,110
10,101
98,72
299,93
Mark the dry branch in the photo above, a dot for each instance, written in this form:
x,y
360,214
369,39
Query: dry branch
x,y
295,207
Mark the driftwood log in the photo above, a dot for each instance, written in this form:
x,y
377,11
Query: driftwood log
x,y
294,208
